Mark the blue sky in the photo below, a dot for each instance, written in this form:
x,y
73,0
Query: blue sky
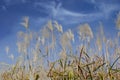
x,y
70,13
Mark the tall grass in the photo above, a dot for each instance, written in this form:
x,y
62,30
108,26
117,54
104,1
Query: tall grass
x,y
55,54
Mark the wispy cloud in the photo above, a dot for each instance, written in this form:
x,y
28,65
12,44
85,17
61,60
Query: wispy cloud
x,y
48,7
107,9
57,11
60,13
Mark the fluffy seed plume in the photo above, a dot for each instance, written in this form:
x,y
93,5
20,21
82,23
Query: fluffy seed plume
x,y
42,40
58,26
99,43
70,35
45,32
25,22
11,56
85,31
7,49
118,22
63,54
66,39
49,25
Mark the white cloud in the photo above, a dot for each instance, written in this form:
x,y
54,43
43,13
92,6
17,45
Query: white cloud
x,y
107,9
49,7
60,13
57,11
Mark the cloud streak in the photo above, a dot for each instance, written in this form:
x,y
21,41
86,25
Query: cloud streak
x,y
58,12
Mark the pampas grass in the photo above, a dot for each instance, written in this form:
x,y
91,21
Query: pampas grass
x,y
46,55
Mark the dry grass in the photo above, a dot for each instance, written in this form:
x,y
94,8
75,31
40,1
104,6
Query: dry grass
x,y
51,54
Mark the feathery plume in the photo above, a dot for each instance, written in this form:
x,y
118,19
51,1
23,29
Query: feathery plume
x,y
66,39
25,22
118,34
70,35
63,54
99,43
20,34
118,21
42,40
102,33
11,56
58,26
49,25
85,31
45,32
7,49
